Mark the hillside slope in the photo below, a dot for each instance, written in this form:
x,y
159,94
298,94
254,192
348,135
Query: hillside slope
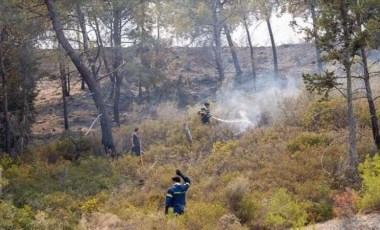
x,y
190,67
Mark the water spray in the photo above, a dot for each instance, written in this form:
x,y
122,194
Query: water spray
x,y
232,121
243,115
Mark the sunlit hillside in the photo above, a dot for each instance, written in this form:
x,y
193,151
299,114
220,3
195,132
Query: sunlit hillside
x,y
108,122
285,168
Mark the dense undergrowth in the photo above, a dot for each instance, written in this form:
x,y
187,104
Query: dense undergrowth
x,y
286,174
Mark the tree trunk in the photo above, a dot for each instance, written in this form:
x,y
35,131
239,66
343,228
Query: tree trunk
x,y
251,53
82,85
274,51
316,37
352,123
233,50
5,102
351,116
371,103
217,41
62,71
157,51
101,44
140,92
86,49
107,139
27,65
104,56
118,57
68,82
366,78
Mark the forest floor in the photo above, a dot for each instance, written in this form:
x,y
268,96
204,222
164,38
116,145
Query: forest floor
x,y
191,65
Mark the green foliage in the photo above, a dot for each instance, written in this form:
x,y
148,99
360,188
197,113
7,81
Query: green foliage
x,y
249,209
16,218
248,179
284,210
94,203
203,216
320,211
325,115
235,192
306,141
362,112
370,173
320,83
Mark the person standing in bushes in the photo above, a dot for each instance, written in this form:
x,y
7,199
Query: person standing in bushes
x,y
136,142
176,195
205,113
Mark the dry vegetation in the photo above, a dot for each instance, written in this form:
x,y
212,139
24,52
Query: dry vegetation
x,y
287,174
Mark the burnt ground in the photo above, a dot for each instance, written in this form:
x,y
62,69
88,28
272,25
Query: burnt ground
x,y
191,77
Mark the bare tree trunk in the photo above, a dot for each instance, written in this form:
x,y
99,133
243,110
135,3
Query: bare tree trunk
x,y
101,45
140,92
371,103
274,50
118,57
233,50
86,49
82,85
104,56
157,49
351,116
107,138
217,40
351,121
251,53
366,78
26,64
67,79
5,100
112,76
62,71
316,37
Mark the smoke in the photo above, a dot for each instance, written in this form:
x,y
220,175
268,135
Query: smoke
x,y
241,107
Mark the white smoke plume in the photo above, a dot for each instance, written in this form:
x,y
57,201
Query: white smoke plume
x,y
242,108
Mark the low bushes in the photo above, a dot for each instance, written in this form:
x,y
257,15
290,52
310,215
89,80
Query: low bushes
x,y
370,174
268,178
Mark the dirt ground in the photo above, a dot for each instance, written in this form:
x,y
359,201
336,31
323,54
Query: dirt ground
x,y
359,222
192,65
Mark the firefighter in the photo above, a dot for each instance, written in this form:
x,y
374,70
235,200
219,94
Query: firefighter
x,y
176,195
136,142
205,113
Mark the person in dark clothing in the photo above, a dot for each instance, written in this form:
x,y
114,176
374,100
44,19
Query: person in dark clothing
x,y
176,195
136,142
205,113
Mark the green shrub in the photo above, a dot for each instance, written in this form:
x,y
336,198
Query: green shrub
x,y
94,203
249,209
370,173
326,114
285,211
127,166
307,140
16,218
235,192
203,216
320,211
3,180
91,176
